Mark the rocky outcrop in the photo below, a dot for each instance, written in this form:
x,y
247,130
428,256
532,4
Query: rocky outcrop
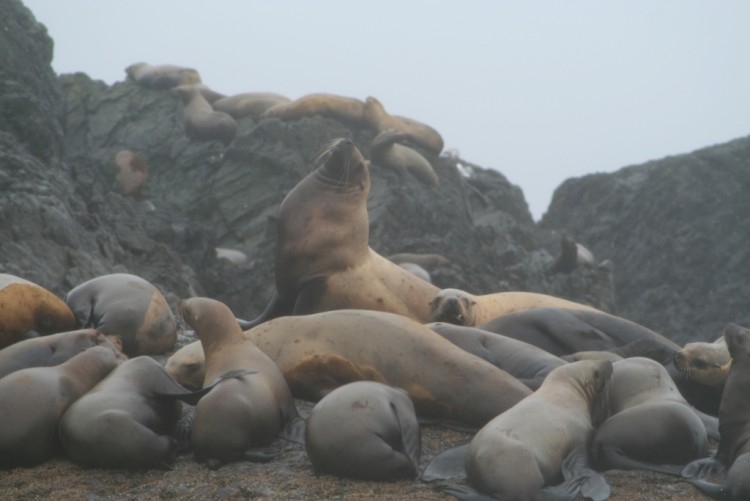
x,y
678,233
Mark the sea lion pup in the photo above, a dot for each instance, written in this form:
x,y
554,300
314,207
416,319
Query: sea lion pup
x,y
385,150
323,260
28,310
187,366
201,122
128,308
132,173
126,421
705,363
320,352
249,104
364,430
462,308
572,254
48,351
734,426
35,398
164,76
528,449
427,261
420,134
241,414
524,361
651,427
328,105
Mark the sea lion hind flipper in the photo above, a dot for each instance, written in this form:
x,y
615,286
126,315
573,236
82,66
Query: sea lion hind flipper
x,y
466,493
260,454
449,464
702,467
579,477
294,431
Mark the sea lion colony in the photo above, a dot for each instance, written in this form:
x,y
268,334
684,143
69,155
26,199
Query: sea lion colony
x,y
330,288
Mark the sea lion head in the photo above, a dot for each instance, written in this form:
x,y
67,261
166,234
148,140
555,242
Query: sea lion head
x,y
453,306
738,342
706,363
342,165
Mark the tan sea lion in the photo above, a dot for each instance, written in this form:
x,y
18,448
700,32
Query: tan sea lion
x,y
706,363
651,427
35,398
734,427
328,105
201,122
126,307
462,308
420,134
364,430
27,309
240,415
164,76
132,173
48,351
249,104
188,365
385,150
572,254
323,258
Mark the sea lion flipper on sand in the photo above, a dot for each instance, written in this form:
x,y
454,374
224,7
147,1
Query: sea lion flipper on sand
x,y
294,431
703,467
447,465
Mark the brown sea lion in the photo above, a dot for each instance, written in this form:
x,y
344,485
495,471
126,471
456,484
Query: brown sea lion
x,y
48,351
651,427
323,258
240,415
734,426
201,122
328,105
132,173
126,307
420,134
164,76
541,441
249,104
364,430
385,150
27,310
572,254
34,399
462,308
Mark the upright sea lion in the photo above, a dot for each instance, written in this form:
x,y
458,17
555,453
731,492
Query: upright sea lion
x,y
249,104
462,308
329,105
734,426
572,254
48,351
132,173
126,307
385,150
163,76
201,122
420,134
527,449
651,427
323,258
27,310
364,430
35,398
241,414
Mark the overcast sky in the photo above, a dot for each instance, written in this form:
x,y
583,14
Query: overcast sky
x,y
539,90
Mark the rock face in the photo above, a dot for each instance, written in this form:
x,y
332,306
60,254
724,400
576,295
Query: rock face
x,y
64,219
678,233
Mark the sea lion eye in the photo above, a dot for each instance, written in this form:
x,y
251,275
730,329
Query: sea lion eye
x,y
700,363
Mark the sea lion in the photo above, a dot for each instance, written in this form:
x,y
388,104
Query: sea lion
x,y
572,254
323,258
27,310
427,261
420,134
524,361
126,307
705,363
35,398
525,450
48,351
132,173
462,308
249,104
364,430
328,105
241,414
201,122
734,426
188,365
163,76
385,150
651,427
127,420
